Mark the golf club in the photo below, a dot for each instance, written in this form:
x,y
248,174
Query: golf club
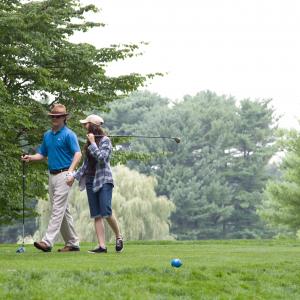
x,y
176,139
21,249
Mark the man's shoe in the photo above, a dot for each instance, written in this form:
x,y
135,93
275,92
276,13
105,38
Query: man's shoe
x,y
68,249
98,250
119,245
42,246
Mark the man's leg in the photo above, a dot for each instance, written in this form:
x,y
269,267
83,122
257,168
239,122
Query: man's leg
x,y
67,230
59,204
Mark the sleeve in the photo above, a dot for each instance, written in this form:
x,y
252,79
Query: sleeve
x,y
79,173
42,149
73,142
102,153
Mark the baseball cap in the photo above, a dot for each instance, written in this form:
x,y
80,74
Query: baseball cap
x,y
94,119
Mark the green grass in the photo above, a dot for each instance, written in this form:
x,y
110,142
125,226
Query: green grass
x,y
250,269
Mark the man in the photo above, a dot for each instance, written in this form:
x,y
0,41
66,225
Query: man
x,y
60,146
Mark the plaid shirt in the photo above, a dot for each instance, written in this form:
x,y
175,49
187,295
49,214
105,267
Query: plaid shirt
x,y
103,171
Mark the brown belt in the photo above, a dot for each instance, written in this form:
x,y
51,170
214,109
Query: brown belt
x,y
54,172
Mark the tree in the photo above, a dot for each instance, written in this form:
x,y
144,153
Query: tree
x,y
248,173
141,214
202,196
40,66
216,175
281,205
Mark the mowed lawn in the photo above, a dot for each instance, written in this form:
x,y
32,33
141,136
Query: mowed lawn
x,y
247,269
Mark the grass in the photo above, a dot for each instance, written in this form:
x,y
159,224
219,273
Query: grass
x,y
245,269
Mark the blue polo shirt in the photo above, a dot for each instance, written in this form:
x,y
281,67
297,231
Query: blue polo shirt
x,y
59,147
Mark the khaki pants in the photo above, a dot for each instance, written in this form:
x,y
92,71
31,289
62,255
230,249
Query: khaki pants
x,y
61,219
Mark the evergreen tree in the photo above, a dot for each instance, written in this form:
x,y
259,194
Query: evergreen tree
x,y
248,175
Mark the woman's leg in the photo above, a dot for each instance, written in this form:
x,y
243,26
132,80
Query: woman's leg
x,y
105,195
93,199
100,232
112,221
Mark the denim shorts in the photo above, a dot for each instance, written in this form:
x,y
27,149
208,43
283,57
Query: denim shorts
x,y
99,202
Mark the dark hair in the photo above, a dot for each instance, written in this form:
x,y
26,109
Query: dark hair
x,y
96,130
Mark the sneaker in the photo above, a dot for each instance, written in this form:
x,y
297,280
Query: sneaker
x,y
119,244
98,250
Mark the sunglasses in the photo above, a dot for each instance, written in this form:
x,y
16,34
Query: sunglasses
x,y
56,117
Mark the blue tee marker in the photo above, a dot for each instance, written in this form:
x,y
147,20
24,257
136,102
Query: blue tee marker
x,y
21,249
176,262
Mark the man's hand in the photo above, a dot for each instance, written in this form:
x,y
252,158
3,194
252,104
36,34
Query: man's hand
x,y
69,180
35,157
26,158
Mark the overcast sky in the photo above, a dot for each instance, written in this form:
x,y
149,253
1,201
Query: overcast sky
x,y
242,48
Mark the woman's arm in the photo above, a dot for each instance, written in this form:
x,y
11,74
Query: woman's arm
x,y
103,152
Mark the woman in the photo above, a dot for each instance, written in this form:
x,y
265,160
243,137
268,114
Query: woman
x,y
95,175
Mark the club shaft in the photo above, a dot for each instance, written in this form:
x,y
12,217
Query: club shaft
x,y
140,136
23,196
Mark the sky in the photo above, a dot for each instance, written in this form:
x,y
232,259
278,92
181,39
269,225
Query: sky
x,y
240,48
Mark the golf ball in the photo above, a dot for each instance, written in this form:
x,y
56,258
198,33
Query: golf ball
x,y
176,262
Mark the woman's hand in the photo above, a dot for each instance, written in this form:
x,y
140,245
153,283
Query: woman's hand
x,y
91,138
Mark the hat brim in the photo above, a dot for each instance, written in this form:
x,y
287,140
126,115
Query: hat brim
x,y
86,121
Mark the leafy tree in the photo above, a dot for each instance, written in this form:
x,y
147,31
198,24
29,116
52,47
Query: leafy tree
x,y
40,66
281,205
141,214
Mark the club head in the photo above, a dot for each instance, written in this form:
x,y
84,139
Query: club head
x,y
21,249
177,140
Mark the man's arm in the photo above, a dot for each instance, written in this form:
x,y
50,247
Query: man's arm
x,y
75,161
34,157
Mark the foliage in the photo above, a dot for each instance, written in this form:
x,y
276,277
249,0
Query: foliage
x,y
256,269
140,213
281,205
40,66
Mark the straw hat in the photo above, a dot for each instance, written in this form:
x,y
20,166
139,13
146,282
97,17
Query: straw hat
x,y
58,110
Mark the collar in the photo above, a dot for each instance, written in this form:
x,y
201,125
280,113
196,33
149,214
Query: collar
x,y
58,131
